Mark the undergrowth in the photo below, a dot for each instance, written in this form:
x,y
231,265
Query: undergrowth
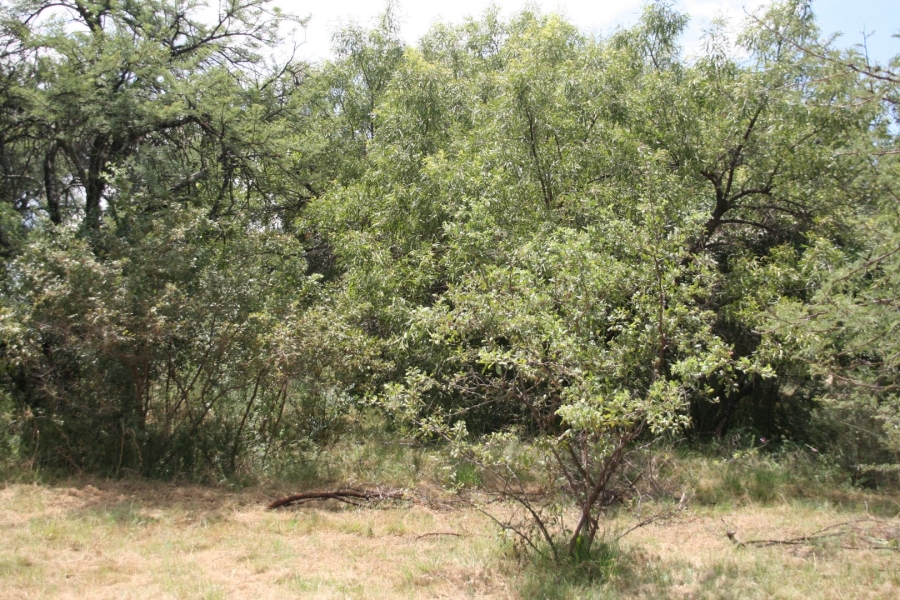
x,y
603,564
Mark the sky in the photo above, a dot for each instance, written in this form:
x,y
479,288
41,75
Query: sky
x,y
881,18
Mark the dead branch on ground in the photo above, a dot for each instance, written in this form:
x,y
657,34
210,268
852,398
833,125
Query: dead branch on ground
x,y
439,533
862,534
348,496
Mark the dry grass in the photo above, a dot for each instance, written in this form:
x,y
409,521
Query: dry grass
x,y
94,539
694,558
121,540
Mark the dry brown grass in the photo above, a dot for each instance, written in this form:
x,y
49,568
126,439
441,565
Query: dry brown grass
x,y
95,539
126,540
694,558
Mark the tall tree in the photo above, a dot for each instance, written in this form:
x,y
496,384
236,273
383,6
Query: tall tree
x,y
96,87
157,295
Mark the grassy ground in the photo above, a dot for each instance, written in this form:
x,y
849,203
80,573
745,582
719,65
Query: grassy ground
x,y
692,557
96,539
149,540
90,538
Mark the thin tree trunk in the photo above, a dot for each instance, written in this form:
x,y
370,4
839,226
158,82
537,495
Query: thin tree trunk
x,y
50,186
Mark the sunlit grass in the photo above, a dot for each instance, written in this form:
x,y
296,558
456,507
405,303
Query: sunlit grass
x,y
140,539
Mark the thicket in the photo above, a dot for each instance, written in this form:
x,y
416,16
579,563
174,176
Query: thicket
x,y
510,234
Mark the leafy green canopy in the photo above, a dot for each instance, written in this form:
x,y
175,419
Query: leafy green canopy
x,y
580,239
158,313
549,218
843,330
511,229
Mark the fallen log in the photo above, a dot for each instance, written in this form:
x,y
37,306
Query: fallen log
x,y
347,496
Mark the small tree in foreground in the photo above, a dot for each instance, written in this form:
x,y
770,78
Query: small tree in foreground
x,y
579,342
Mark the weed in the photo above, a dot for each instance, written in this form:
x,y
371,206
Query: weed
x,y
466,474
586,569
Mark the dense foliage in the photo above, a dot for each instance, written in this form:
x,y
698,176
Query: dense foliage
x,y
512,231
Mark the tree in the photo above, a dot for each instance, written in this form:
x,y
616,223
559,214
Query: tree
x,y
557,237
524,258
150,87
843,331
158,313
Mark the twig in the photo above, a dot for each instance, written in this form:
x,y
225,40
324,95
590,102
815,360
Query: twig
x,y
436,533
347,496
733,537
661,516
803,539
822,534
731,534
